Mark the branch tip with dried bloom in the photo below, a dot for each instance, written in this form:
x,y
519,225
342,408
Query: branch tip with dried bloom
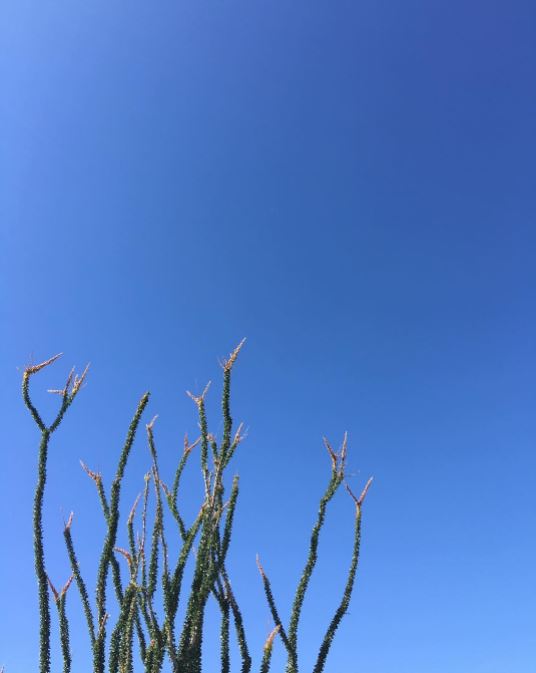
x,y
69,522
240,435
198,399
53,589
269,641
259,566
228,364
133,510
125,553
359,501
59,594
67,585
331,452
364,492
96,476
79,380
187,446
150,425
32,369
344,448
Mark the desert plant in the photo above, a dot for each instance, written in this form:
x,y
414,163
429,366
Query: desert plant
x,y
160,634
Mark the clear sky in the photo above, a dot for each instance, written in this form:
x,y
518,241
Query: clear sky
x,y
351,186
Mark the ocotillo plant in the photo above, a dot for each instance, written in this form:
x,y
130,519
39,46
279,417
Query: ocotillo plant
x,y
159,633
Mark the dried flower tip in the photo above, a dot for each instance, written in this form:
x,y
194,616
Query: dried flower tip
x,y
197,441
125,553
140,540
331,452
270,640
164,487
96,476
78,381
352,494
53,589
150,425
32,369
66,585
69,379
187,446
198,399
359,501
133,510
57,392
69,521
364,492
259,566
228,364
344,449
239,437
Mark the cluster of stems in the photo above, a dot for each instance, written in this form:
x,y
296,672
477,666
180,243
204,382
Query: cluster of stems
x,y
141,631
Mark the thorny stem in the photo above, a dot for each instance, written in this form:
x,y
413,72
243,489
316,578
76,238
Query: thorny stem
x,y
39,553
78,579
59,599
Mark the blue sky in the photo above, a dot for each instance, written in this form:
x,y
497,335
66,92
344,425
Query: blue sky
x,y
351,186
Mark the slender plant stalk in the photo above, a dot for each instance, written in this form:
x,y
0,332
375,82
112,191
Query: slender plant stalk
x,y
273,609
239,624
39,553
225,609
64,636
60,598
75,567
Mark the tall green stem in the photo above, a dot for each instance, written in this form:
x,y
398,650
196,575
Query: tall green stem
x,y
39,556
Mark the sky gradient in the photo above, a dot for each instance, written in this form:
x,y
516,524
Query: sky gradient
x,y
350,185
